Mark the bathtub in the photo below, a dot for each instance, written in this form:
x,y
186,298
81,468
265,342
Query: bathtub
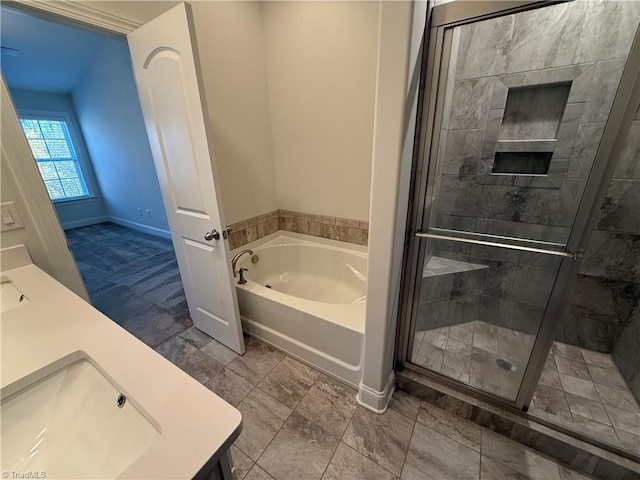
x,y
306,296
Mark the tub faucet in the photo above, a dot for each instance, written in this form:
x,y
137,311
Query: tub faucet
x,y
235,259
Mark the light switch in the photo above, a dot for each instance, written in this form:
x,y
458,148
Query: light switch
x,y
11,219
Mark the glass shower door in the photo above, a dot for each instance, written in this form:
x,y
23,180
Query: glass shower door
x,y
521,105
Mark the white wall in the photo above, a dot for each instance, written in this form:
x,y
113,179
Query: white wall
x,y
109,113
73,213
230,43
321,66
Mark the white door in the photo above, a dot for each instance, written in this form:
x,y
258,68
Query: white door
x,y
172,102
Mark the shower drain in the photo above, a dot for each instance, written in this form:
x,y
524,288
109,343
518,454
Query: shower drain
x,y
505,364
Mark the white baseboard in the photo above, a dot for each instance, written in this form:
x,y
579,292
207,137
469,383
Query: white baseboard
x,y
158,232
85,222
376,401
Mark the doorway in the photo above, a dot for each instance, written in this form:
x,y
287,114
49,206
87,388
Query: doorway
x,y
519,121
77,101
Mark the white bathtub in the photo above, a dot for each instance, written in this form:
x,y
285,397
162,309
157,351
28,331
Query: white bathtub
x,y
314,308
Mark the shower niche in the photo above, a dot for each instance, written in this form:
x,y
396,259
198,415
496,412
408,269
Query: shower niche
x,y
529,130
532,125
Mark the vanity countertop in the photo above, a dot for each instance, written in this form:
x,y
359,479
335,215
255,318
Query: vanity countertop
x,y
197,427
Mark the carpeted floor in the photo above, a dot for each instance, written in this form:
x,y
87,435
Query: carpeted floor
x,y
133,278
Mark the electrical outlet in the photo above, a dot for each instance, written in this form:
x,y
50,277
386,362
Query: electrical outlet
x,y
149,213
139,211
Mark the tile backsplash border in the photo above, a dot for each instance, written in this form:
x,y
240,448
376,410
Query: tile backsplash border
x,y
334,228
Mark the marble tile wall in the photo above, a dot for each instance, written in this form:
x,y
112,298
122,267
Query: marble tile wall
x,y
334,228
450,293
488,58
626,353
608,286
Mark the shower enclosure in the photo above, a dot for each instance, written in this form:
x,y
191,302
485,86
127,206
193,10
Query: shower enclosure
x,y
526,109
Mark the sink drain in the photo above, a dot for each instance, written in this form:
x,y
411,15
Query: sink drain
x,y
506,364
121,400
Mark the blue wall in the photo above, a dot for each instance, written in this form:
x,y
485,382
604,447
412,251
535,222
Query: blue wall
x,y
110,116
74,213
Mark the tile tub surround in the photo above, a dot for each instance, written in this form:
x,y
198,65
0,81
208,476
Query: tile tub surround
x,y
334,228
300,424
626,353
585,458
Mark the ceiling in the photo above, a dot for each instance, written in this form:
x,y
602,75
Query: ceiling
x,y
52,57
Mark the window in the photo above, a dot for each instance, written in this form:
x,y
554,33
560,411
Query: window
x,y
55,154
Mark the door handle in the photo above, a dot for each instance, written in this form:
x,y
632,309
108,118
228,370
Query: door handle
x,y
212,235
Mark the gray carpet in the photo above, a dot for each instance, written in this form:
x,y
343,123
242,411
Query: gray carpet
x,y
132,278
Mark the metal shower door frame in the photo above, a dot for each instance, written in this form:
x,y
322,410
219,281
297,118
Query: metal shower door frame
x,y
436,54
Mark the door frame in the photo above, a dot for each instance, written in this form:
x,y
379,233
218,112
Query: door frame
x,y
430,104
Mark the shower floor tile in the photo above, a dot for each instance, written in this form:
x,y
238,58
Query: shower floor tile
x,y
600,404
578,389
469,352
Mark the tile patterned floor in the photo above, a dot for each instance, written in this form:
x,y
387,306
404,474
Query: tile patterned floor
x,y
302,424
468,352
133,278
584,390
578,389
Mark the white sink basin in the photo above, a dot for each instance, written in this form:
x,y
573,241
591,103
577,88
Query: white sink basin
x,y
67,424
10,296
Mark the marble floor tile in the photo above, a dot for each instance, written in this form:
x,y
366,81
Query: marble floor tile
x,y
517,457
607,376
550,378
196,337
241,462
489,344
175,349
598,359
629,440
329,404
579,387
566,474
550,400
289,381
457,428
592,409
462,332
492,470
347,464
229,386
624,420
301,449
457,361
256,473
382,438
405,404
458,347
262,417
485,329
618,397
550,363
257,361
566,351
439,457
604,433
431,352
460,375
200,366
219,352
574,368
